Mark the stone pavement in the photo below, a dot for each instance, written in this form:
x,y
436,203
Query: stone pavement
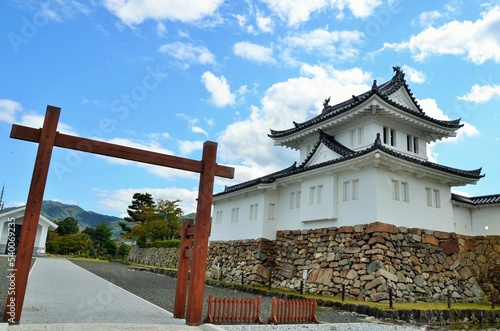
x,y
62,296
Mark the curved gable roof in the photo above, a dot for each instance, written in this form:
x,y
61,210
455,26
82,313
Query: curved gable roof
x,y
377,145
384,91
330,142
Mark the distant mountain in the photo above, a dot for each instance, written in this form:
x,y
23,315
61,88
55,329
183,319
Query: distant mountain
x,y
54,210
58,211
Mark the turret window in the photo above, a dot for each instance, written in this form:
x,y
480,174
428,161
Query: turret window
x,y
350,190
234,215
412,144
253,212
433,197
294,200
400,191
389,136
218,217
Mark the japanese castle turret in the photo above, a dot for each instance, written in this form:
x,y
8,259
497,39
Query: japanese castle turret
x,y
361,161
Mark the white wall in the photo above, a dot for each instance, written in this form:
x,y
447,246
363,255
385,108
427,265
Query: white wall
x,y
414,213
243,228
363,209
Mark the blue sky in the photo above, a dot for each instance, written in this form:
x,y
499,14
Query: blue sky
x,y
166,76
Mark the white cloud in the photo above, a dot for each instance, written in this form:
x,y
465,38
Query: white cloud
x,y
295,11
298,11
118,200
8,109
188,53
133,12
151,145
481,93
197,129
478,40
161,29
245,144
414,75
321,42
219,89
265,24
362,9
431,108
427,18
187,147
253,52
35,120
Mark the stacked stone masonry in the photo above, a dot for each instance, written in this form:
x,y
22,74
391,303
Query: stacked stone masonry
x,y
418,265
370,259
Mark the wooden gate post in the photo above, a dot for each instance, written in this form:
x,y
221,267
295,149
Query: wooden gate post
x,y
185,253
47,138
201,234
15,298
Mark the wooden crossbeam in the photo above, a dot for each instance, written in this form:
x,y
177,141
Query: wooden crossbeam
x,y
47,137
122,152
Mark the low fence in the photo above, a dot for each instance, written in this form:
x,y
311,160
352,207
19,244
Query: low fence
x,y
293,311
233,310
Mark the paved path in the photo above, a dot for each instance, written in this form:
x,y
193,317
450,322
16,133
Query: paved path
x,y
61,292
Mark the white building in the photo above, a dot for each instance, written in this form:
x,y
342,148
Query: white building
x,y
361,161
16,217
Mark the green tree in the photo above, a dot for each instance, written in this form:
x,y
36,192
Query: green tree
x,y
171,213
141,208
69,244
160,221
67,226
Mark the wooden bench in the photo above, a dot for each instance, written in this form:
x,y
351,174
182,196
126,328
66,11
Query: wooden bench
x,y
293,311
233,310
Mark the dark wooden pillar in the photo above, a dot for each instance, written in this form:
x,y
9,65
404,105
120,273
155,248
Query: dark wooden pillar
x,y
15,299
185,254
201,234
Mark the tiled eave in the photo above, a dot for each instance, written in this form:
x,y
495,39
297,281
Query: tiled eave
x,y
383,91
479,201
374,104
376,155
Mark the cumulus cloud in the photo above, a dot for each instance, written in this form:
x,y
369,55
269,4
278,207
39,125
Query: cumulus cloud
x,y
186,147
478,41
133,12
481,93
253,52
427,18
150,144
219,89
431,108
321,42
12,112
161,29
8,109
414,75
188,53
296,99
118,200
265,24
297,11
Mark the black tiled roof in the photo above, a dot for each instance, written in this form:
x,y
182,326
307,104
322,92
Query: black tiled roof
x,y
477,201
383,91
294,169
331,143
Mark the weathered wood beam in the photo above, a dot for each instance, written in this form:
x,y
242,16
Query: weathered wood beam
x,y
118,151
47,135
201,234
